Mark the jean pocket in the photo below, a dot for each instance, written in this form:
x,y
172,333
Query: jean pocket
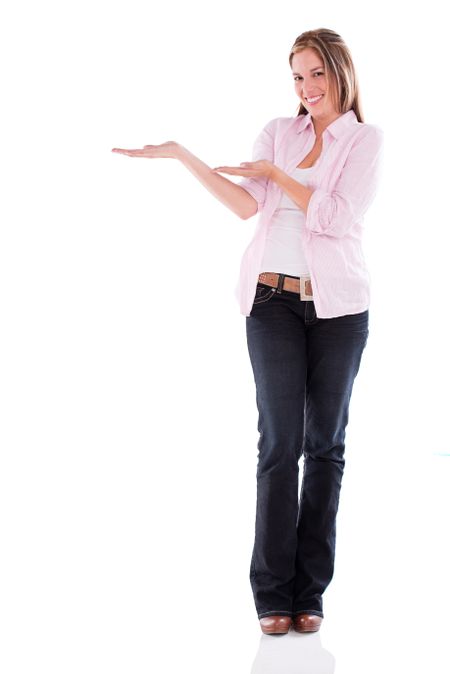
x,y
263,293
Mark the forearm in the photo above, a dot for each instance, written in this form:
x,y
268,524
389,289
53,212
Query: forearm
x,y
295,190
231,195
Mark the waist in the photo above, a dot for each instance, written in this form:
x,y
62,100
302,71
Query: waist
x,y
301,285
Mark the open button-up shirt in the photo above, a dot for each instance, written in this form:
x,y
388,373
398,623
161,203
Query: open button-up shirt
x,y
344,180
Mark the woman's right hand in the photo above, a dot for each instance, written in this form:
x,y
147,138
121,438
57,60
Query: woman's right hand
x,y
170,150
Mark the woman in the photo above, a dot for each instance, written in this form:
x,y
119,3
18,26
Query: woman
x,y
304,289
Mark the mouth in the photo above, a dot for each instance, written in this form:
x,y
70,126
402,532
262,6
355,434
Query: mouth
x,y
314,99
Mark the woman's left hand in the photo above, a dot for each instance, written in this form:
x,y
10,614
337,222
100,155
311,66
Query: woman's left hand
x,y
249,169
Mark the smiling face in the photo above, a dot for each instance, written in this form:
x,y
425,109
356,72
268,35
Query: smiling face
x,y
310,82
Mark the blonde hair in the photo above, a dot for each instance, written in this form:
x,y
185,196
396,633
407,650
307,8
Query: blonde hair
x,y
338,65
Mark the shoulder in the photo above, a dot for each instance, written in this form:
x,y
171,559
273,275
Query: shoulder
x,y
364,130
361,133
279,124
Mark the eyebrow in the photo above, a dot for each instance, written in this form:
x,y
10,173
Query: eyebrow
x,y
312,70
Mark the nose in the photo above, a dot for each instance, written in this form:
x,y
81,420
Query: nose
x,y
307,92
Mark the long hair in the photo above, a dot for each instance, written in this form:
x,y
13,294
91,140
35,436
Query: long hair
x,y
338,65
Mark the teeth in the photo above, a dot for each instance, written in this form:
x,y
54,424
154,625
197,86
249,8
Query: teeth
x,y
316,98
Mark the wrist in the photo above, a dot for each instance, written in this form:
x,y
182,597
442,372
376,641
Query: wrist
x,y
180,152
274,173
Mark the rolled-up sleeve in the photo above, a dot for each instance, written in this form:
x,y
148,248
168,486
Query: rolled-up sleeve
x,y
262,149
334,213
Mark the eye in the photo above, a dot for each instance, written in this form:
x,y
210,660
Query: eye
x,y
300,77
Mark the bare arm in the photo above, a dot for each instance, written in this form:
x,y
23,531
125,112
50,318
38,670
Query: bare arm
x,y
300,194
231,195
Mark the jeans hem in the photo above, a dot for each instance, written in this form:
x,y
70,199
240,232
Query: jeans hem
x,y
267,613
310,611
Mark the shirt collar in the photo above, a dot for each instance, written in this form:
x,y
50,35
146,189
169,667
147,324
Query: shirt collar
x,y
336,128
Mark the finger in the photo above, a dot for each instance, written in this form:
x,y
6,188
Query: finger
x,y
130,153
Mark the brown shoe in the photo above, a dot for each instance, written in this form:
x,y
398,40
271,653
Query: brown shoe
x,y
275,624
307,622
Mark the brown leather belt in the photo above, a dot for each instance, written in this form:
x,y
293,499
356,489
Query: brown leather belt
x,y
300,285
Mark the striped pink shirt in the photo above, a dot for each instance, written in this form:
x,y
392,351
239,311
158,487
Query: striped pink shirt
x,y
344,181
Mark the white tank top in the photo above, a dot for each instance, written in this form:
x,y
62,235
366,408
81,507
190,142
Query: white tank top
x,y
283,252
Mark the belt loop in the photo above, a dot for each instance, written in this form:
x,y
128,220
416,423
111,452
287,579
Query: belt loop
x,y
281,278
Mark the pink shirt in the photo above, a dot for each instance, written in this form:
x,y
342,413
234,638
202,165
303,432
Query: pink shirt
x,y
344,181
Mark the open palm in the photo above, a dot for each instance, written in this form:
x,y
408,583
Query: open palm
x,y
252,169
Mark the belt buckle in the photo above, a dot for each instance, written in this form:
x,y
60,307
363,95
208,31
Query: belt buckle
x,y
304,294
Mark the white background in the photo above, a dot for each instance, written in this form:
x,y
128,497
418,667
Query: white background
x,y
128,412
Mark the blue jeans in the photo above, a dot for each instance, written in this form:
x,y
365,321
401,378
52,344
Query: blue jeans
x,y
304,368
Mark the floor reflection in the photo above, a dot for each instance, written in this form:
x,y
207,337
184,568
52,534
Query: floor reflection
x,y
292,653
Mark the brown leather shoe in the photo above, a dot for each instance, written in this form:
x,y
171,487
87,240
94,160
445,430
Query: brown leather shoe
x,y
307,622
275,624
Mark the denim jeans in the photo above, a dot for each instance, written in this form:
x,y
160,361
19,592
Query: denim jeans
x,y
304,368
